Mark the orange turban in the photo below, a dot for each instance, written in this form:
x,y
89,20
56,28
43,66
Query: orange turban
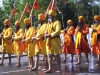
x,y
17,23
81,18
96,17
7,21
41,16
27,21
70,21
52,12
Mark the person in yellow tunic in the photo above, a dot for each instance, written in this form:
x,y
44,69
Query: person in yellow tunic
x,y
96,38
6,36
17,42
69,46
40,43
29,46
81,41
53,43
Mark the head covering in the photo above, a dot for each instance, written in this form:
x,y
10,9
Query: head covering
x,y
27,21
7,21
81,18
41,16
96,17
70,21
17,23
52,12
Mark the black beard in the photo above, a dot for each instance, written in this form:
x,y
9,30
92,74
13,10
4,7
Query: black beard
x,y
6,26
27,26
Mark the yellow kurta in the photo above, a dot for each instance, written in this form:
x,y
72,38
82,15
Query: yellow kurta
x,y
29,46
6,41
53,44
40,46
17,44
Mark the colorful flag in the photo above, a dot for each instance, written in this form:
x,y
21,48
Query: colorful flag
x,y
14,11
36,5
27,9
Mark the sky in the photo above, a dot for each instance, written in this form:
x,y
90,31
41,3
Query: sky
x,y
0,3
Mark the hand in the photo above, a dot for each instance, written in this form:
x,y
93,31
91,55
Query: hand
x,y
12,38
33,38
1,36
94,30
47,35
23,41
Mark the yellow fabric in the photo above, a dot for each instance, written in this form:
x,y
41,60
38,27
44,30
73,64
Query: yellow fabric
x,y
17,23
27,21
7,21
41,16
70,21
96,17
40,43
81,18
30,45
53,44
52,12
18,42
6,41
94,36
78,40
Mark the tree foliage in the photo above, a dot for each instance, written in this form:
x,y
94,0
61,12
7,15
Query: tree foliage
x,y
71,10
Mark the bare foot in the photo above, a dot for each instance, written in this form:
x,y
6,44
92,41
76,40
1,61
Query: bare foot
x,y
58,71
27,67
43,69
9,64
77,63
41,59
34,69
48,71
87,63
18,65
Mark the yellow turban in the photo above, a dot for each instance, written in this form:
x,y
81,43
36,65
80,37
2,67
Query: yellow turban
x,y
70,21
27,21
17,23
7,21
96,17
81,18
52,12
41,16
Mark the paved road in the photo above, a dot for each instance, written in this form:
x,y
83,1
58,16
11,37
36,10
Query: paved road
x,y
67,69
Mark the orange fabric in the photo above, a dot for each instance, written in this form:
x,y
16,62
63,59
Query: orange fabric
x,y
81,44
69,46
14,11
84,47
95,42
27,9
36,5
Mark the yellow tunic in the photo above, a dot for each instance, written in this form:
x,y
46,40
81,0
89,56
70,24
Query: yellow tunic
x,y
53,44
29,46
17,44
40,46
6,41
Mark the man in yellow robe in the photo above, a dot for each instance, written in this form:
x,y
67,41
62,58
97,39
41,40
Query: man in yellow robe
x,y
6,36
53,43
29,46
17,42
40,43
96,38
